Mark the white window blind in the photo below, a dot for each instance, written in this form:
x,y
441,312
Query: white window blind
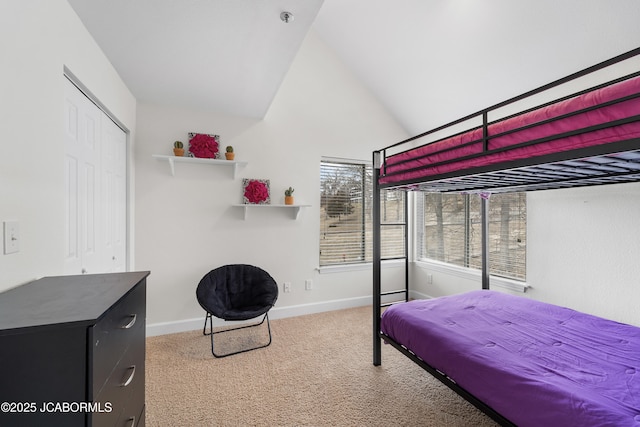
x,y
450,230
393,224
345,215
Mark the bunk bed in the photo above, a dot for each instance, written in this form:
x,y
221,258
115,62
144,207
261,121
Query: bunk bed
x,y
521,361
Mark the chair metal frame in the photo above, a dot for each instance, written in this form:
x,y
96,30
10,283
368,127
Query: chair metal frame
x,y
209,318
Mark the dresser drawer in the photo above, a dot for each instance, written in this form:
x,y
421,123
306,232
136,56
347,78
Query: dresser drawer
x,y
133,413
123,390
122,325
134,408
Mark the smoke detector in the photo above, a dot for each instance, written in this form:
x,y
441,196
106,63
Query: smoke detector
x,y
286,17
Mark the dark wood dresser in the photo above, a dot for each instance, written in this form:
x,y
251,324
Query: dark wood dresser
x,y
72,351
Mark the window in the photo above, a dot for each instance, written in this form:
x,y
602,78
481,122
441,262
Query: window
x,y
345,216
451,231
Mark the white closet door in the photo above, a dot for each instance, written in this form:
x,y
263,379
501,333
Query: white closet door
x,y
95,179
114,173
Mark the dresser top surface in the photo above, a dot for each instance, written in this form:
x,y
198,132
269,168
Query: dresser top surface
x,y
64,299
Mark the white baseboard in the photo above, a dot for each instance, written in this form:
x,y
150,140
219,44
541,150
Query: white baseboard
x,y
164,328
418,295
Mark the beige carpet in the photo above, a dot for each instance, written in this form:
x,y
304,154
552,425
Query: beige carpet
x,y
317,372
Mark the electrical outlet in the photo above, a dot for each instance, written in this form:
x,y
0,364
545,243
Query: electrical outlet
x,y
429,279
287,286
308,284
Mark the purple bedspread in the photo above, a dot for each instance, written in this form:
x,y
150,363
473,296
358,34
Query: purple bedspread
x,y
534,363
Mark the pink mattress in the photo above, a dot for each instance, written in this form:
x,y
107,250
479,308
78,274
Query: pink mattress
x,y
534,363
398,167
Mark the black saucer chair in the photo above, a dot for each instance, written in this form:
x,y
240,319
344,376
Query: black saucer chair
x,y
236,292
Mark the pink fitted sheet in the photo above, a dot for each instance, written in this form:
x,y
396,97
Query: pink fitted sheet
x,y
534,363
400,165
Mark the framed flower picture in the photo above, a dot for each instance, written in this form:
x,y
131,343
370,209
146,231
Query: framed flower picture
x,y
204,145
256,191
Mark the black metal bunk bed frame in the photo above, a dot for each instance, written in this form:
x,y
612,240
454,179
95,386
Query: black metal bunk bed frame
x,y
609,163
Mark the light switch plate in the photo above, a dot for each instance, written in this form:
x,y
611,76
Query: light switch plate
x,y
11,237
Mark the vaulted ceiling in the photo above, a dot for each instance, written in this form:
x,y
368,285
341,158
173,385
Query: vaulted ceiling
x,y
220,55
427,61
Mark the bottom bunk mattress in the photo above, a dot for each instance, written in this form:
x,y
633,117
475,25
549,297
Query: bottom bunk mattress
x,y
534,363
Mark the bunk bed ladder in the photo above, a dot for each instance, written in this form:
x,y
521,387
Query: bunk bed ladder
x,y
378,226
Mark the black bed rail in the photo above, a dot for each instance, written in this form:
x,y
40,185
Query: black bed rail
x,y
543,88
551,171
449,382
482,120
529,143
486,138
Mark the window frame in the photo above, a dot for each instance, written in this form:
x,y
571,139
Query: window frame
x,y
468,270
366,230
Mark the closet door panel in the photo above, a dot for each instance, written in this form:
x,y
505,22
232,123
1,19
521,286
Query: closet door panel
x,y
82,166
114,161
95,186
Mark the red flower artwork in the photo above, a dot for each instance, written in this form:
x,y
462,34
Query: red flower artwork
x,y
203,145
256,191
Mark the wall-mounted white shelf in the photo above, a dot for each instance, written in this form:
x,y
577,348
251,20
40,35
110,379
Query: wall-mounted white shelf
x,y
296,208
216,162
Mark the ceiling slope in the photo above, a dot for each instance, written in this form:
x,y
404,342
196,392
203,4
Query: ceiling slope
x,y
217,55
432,61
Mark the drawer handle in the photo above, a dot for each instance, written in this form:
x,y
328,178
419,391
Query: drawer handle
x,y
131,323
128,380
132,422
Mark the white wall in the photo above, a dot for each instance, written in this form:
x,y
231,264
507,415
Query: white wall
x,y
37,39
583,249
186,225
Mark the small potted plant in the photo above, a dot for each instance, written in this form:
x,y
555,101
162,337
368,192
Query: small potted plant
x,y
178,148
229,154
288,196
